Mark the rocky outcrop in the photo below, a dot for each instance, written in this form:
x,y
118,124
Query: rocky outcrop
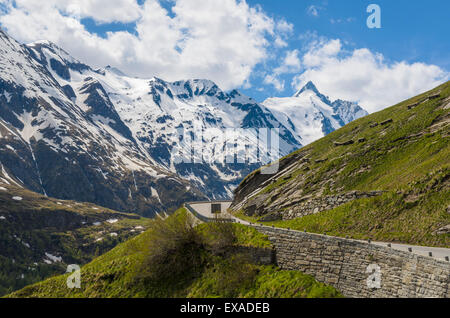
x,y
317,205
293,208
443,230
345,143
388,121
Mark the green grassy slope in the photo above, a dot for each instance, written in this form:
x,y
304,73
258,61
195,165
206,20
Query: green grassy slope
x,y
33,225
118,273
403,150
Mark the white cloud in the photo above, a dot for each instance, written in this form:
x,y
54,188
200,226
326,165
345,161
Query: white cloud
x,y
99,10
290,64
220,40
284,30
280,43
285,27
114,11
320,52
275,82
364,76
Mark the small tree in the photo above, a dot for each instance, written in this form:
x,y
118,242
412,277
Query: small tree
x,y
220,236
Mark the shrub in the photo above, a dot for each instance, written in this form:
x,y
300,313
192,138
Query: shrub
x,y
175,251
219,236
179,251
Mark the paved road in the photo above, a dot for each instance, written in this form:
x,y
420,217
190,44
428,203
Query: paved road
x,y
204,209
437,252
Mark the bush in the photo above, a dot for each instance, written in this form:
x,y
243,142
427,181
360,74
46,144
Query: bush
x,y
175,251
218,236
179,251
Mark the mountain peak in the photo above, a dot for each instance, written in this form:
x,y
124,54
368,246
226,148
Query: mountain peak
x,y
42,42
308,87
115,70
39,49
51,46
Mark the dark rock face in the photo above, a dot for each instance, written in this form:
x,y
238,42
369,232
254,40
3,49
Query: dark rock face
x,y
100,104
61,70
68,90
184,106
327,128
344,143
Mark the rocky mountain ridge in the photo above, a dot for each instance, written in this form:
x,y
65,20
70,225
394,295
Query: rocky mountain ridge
x,y
97,135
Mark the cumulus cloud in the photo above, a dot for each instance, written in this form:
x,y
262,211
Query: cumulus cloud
x,y
275,82
365,76
283,31
220,40
116,10
285,27
291,64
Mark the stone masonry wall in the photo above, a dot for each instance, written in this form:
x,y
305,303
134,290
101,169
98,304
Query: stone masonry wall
x,y
257,255
344,264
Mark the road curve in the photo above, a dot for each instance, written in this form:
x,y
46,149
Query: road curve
x,y
202,211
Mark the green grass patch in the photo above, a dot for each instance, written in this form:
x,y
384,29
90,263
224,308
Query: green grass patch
x,y
119,273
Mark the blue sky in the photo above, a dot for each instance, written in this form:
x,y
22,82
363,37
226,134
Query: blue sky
x,y
262,47
412,30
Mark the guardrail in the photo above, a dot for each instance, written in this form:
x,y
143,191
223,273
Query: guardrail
x,y
204,218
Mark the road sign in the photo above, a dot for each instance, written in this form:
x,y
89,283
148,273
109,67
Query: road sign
x,y
216,208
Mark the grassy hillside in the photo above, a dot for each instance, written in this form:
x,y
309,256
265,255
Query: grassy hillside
x,y
40,236
174,260
403,151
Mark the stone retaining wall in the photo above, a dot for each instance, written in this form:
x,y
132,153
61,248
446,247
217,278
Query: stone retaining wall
x,y
347,265
257,255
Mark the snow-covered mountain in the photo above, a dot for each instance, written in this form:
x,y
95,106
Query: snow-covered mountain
x,y
60,135
98,135
158,112
310,115
157,115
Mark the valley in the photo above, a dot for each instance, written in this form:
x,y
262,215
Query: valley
x,y
40,236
